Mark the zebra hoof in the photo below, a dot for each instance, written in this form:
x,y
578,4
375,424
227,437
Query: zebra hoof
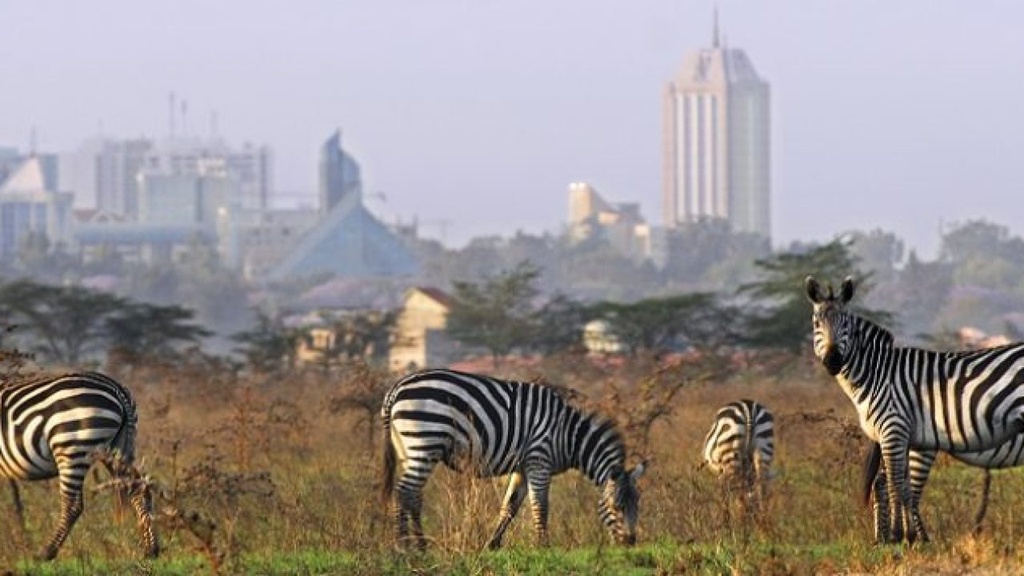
x,y
46,554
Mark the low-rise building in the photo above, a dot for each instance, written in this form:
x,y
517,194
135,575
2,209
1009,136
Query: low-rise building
x,y
621,225
420,337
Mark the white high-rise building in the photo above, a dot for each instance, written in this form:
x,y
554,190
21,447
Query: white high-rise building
x,y
249,169
105,174
717,141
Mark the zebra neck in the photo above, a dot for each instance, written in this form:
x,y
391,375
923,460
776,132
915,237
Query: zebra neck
x,y
596,449
871,358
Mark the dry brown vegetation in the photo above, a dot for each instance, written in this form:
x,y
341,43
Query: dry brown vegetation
x,y
256,466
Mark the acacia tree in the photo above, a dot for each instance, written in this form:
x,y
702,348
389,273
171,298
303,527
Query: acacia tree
x,y
268,346
496,315
559,325
66,323
139,330
777,310
659,325
364,336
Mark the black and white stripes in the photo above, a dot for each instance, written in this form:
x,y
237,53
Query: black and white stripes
x,y
492,427
740,446
1009,454
55,427
910,398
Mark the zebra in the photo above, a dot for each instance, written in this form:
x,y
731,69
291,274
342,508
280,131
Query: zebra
x,y
56,427
910,398
1009,454
491,427
740,446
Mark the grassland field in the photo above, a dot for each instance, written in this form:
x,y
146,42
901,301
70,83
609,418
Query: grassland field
x,y
280,475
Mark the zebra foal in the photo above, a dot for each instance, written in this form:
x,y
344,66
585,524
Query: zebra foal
x,y
740,446
915,399
56,427
491,427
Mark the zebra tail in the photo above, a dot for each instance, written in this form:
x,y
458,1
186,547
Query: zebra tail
x,y
871,468
390,460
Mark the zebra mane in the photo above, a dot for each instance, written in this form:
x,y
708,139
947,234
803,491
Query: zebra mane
x,y
873,329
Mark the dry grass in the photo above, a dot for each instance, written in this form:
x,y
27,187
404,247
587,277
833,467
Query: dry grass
x,y
257,466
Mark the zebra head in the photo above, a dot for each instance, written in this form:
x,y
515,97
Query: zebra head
x,y
620,503
833,326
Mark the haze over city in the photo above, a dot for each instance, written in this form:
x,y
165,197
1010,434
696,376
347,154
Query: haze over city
x,y
475,116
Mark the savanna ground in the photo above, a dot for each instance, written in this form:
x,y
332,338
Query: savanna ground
x,y
280,475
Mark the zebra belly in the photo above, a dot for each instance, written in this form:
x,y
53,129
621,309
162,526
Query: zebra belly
x,y
968,436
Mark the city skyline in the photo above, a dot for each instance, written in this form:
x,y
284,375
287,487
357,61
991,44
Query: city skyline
x,y
897,117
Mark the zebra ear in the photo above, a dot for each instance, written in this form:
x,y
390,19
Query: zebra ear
x,y
815,293
846,290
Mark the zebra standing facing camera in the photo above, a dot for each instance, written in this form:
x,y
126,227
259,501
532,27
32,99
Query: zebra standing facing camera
x,y
911,398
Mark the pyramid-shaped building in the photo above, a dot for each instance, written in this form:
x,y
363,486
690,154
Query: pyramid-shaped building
x,y
349,241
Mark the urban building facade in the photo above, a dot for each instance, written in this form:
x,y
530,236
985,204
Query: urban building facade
x,y
420,337
621,225
717,141
29,204
103,173
149,200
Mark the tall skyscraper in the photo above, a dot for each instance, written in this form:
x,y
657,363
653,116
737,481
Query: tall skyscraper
x,y
717,141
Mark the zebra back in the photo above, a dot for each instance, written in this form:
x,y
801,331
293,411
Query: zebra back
x,y
741,437
75,412
506,418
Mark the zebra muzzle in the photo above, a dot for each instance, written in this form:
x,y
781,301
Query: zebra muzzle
x,y
833,360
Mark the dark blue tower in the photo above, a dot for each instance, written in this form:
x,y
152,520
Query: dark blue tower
x,y
339,173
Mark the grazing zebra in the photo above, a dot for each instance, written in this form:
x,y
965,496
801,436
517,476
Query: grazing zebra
x,y
1009,454
911,398
495,427
55,427
740,445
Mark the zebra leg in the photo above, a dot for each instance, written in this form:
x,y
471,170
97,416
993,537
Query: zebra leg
x,y
894,457
71,506
920,466
19,508
880,505
986,485
142,501
514,496
415,473
539,479
410,505
761,479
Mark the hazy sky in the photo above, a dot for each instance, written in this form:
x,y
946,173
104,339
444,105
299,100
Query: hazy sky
x,y
892,115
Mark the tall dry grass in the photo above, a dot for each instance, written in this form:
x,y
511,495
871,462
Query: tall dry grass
x,y
261,465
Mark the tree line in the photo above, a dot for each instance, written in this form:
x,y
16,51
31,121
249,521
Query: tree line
x,y
508,314
528,294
